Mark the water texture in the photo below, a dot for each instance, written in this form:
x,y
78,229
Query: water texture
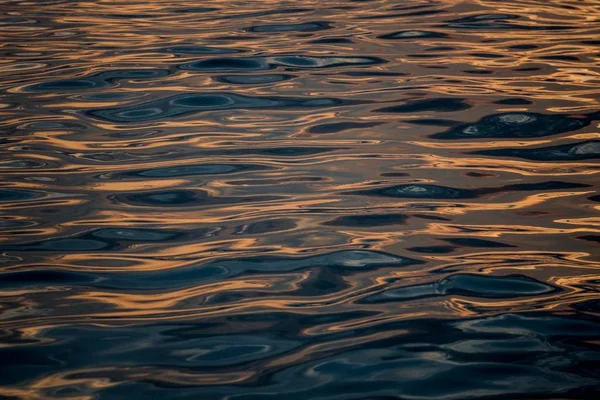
x,y
334,200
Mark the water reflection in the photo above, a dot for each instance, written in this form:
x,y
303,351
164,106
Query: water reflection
x,y
318,200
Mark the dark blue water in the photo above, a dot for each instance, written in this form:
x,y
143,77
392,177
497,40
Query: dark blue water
x,y
237,200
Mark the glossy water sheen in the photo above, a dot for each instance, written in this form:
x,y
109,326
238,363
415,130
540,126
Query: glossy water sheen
x,y
345,199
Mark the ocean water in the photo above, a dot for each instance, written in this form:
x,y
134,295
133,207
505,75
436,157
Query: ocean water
x,y
300,199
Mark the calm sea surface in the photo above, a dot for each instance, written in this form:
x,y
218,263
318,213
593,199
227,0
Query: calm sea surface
x,y
300,200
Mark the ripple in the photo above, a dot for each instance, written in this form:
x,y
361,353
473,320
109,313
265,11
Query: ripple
x,y
302,27
187,277
98,81
271,225
515,125
102,239
499,22
432,249
439,105
229,64
254,79
183,198
472,242
185,104
533,325
512,286
566,152
410,35
424,191
336,127
513,101
332,41
200,50
323,62
164,344
199,169
433,122
264,63
429,191
21,164
12,195
372,220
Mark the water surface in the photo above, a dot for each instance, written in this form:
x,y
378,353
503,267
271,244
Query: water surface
x,y
366,199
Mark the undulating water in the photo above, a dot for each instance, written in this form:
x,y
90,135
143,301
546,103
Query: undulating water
x,y
300,199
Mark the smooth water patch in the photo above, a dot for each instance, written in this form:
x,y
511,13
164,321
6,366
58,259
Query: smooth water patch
x,y
192,170
439,105
413,35
254,79
350,260
369,220
430,191
302,27
336,127
97,81
185,104
265,63
467,285
515,125
587,150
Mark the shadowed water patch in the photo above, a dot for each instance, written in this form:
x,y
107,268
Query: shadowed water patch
x,y
9,223
472,242
340,261
341,126
371,73
191,170
499,22
433,122
515,125
370,220
595,198
432,249
102,239
418,191
430,191
271,225
483,286
427,360
264,63
49,125
530,325
185,104
200,50
590,238
515,101
300,62
439,105
566,152
413,35
105,96
158,345
302,27
183,198
288,151
98,81
16,195
254,79
267,12
332,41
229,64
